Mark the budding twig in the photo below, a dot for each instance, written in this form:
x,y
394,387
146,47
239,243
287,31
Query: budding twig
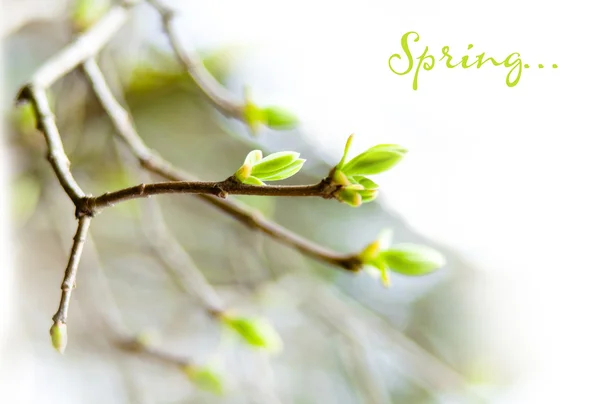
x,y
81,52
154,163
91,205
87,44
68,284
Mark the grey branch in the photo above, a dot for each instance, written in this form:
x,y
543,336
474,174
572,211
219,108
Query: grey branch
x,y
87,44
68,283
56,153
216,93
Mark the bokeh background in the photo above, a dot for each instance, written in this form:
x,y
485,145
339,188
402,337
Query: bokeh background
x,y
443,338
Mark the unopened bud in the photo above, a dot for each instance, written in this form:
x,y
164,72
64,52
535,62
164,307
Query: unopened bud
x,y
340,178
350,197
371,251
243,172
58,333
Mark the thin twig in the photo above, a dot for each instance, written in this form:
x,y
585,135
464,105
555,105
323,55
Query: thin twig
x,y
216,93
108,311
178,261
71,272
56,153
153,162
92,205
86,45
174,257
425,367
134,345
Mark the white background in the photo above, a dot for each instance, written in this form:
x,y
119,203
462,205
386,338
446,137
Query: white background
x,y
506,176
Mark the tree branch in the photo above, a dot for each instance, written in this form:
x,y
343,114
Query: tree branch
x,y
92,205
216,93
135,346
155,163
175,259
56,153
68,283
83,47
87,44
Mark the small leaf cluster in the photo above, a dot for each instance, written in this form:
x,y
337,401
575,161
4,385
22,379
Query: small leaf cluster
x,y
275,167
272,117
205,378
406,259
256,332
357,188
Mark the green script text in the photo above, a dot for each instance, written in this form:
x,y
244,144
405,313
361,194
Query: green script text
x,y
427,62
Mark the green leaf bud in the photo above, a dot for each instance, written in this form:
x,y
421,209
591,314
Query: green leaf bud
x,y
365,182
350,197
412,259
340,178
58,334
279,118
256,332
368,195
286,172
204,378
346,150
253,116
373,161
273,163
253,157
243,173
370,252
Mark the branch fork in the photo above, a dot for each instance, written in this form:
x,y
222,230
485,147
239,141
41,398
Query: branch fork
x,y
81,53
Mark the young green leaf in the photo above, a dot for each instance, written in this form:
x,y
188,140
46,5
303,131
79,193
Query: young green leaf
x,y
273,163
254,116
412,259
286,172
256,332
350,196
372,162
253,181
253,157
388,147
279,118
365,182
346,150
368,195
205,378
